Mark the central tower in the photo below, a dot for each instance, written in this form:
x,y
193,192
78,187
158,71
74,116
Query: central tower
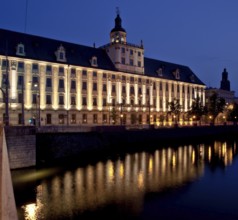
x,y
125,56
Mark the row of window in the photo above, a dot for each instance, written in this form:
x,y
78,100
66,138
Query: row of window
x,y
123,50
61,98
95,86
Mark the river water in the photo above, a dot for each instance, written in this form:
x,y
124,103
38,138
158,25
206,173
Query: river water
x,y
193,181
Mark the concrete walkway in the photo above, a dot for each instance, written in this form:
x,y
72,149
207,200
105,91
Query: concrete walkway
x,y
7,204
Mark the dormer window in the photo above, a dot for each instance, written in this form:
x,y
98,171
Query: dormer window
x,y
20,50
160,72
94,61
60,54
192,78
176,74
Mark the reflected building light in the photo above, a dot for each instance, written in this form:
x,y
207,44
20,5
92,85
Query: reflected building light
x,y
121,170
173,160
110,172
193,157
150,168
209,153
30,211
140,181
224,148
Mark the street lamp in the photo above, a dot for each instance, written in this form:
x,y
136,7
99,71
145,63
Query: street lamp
x,y
121,113
37,85
22,104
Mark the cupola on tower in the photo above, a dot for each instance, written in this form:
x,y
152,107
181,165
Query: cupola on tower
x,y
125,56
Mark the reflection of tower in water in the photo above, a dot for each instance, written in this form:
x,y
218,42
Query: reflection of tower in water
x,y
127,179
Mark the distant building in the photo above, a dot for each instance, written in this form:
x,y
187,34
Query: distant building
x,y
223,91
62,83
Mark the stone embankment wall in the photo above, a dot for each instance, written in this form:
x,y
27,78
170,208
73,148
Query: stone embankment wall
x,y
8,209
21,144
104,141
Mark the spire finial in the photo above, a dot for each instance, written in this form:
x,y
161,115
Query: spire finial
x,y
117,11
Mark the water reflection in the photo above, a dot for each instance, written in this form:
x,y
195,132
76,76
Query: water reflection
x,y
123,182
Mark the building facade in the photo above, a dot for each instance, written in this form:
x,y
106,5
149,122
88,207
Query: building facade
x,y
52,82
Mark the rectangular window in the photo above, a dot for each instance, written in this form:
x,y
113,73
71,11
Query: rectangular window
x,y
48,118
131,62
84,118
20,67
132,79
48,68
61,69
35,68
113,88
84,101
20,118
34,98
139,53
84,85
113,76
123,49
104,102
94,74
61,119
123,61
139,63
104,118
95,118
132,90
20,98
94,101
73,100
94,86
104,75
61,83
123,78
131,52
61,100
20,81
84,72
73,84
48,99
73,71
5,63
123,89
104,88
48,82
73,119
34,81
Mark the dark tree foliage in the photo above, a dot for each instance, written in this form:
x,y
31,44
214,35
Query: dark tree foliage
x,y
215,105
233,113
174,108
197,109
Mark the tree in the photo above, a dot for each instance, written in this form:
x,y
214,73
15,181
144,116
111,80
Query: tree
x,y
215,106
232,114
197,109
174,109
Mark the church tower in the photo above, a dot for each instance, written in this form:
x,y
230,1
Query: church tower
x,y
125,56
225,83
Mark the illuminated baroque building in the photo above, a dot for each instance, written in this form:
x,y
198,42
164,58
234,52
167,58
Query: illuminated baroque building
x,y
76,84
